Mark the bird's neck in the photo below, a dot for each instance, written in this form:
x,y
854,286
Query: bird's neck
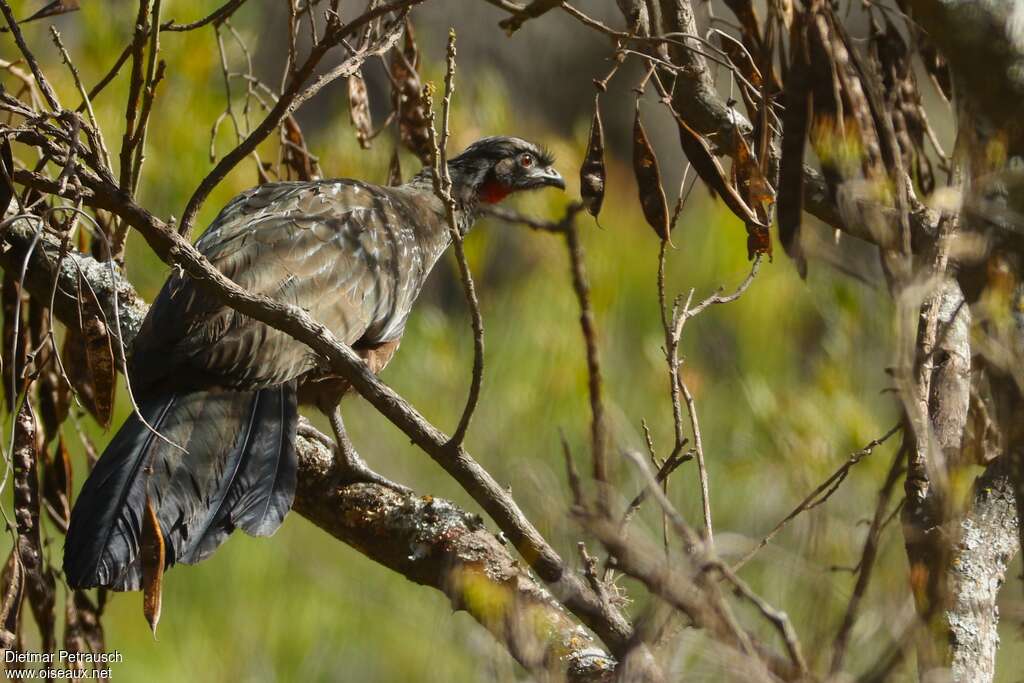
x,y
465,191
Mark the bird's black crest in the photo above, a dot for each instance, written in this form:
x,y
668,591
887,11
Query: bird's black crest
x,y
501,147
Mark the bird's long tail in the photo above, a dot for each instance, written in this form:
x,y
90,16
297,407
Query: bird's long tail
x,y
237,470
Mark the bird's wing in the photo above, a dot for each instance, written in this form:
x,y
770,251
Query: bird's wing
x,y
337,249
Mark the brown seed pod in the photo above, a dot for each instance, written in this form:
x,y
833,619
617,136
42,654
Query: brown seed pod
x,y
592,172
395,169
89,357
57,485
153,555
648,180
40,584
83,631
12,585
359,109
710,170
407,98
795,125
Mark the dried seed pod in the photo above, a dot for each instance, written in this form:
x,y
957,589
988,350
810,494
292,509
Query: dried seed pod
x,y
13,351
407,98
795,125
296,154
89,355
592,172
748,179
395,169
710,170
57,485
648,180
13,587
39,580
83,631
6,188
359,109
153,555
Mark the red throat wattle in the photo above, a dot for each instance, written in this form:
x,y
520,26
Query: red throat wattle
x,y
493,191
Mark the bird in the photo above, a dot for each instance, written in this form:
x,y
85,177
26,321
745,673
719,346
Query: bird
x,y
212,442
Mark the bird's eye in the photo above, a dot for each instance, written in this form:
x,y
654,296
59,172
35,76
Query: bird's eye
x,y
526,161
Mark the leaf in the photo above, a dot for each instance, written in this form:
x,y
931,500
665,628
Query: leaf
x,y
40,583
395,169
12,583
648,180
57,486
89,355
152,556
592,172
795,124
359,109
407,98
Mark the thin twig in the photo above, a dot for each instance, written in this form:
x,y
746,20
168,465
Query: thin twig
x,y
581,285
294,95
443,190
217,16
86,100
867,562
41,82
821,493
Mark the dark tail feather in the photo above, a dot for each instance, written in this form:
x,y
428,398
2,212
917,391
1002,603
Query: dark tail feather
x,y
239,472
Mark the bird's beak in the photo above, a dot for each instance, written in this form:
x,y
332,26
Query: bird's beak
x,y
548,177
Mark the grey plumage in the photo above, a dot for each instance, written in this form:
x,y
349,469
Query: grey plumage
x,y
223,386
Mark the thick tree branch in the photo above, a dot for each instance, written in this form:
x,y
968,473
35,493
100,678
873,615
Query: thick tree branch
x,y
428,540
988,542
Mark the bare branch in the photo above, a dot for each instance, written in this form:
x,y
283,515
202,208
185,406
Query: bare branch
x,y
443,190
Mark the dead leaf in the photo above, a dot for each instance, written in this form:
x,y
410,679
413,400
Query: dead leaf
x,y
648,180
152,555
592,172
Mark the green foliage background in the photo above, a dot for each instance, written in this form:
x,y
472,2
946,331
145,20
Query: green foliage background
x,y
788,381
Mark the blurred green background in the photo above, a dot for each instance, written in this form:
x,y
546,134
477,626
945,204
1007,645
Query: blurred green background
x,y
788,381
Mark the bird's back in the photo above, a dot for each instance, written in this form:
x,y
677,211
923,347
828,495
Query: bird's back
x,y
354,255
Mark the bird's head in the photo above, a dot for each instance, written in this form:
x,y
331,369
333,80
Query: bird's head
x,y
493,168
